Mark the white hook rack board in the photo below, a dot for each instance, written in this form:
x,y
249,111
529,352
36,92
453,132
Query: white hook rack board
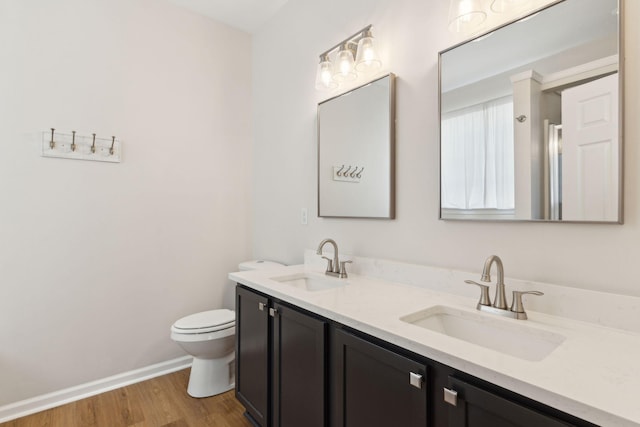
x,y
84,148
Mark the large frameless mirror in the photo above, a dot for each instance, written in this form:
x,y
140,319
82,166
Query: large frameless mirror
x,y
530,118
356,150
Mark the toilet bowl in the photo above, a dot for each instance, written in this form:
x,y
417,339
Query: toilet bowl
x,y
208,336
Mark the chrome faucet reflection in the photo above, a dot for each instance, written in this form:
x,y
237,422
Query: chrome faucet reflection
x,y
335,267
499,305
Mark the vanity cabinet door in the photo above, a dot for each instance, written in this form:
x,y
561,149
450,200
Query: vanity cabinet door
x,y
252,354
476,407
299,367
375,387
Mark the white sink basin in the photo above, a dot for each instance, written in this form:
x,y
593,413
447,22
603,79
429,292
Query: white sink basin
x,y
311,282
513,337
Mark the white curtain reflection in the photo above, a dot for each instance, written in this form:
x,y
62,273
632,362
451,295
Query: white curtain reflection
x,y
477,156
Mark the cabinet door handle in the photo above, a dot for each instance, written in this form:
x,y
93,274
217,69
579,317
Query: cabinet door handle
x,y
273,312
262,306
416,380
451,397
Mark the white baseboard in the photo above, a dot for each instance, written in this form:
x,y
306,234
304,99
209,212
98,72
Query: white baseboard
x,y
57,398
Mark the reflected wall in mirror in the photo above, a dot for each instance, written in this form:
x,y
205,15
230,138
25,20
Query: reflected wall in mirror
x,y
356,152
530,118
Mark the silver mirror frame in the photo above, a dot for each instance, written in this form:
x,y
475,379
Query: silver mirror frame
x,y
621,102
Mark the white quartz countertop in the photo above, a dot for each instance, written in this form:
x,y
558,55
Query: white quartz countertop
x,y
594,374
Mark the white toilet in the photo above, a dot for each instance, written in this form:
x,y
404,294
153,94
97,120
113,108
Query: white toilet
x,y
209,336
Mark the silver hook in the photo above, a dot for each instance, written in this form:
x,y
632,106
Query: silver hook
x,y
346,173
359,175
73,140
93,146
113,141
339,173
353,174
52,142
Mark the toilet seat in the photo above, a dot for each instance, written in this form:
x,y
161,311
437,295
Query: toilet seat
x,y
205,322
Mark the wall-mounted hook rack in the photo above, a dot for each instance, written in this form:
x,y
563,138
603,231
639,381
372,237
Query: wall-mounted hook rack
x,y
80,147
347,173
52,142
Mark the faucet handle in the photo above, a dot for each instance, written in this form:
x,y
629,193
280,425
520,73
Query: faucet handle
x,y
343,270
516,303
329,264
484,293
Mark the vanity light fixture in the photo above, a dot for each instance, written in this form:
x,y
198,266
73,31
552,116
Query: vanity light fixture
x,y
466,15
367,58
354,54
324,76
345,69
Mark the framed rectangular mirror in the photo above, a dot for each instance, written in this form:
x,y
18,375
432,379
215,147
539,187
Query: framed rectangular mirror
x,y
356,152
531,118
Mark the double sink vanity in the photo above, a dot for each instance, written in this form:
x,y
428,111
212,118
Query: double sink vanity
x,y
364,342
396,344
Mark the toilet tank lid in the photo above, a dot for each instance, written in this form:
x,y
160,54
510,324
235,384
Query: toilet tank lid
x,y
258,264
206,319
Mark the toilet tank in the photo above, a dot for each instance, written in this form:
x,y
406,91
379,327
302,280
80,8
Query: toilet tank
x,y
258,264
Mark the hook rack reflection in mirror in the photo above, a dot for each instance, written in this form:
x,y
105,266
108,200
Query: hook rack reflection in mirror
x,y
350,174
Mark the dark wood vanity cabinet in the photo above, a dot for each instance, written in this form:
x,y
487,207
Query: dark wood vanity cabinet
x,y
373,386
252,354
295,368
280,362
471,405
299,368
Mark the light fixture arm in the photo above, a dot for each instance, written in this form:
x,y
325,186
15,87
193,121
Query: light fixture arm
x,y
354,38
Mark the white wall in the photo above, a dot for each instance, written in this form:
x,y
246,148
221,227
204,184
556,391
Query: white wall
x,y
97,260
601,257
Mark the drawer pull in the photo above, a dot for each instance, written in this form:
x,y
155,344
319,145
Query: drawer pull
x,y
262,306
273,312
451,397
416,380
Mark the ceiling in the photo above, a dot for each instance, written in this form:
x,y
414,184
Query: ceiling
x,y
246,15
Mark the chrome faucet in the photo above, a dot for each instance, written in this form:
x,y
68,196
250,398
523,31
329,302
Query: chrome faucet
x,y
334,267
499,305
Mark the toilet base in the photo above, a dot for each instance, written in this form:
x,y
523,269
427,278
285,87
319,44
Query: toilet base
x,y
211,376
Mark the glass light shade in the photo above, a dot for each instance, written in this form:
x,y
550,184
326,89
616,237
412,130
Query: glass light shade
x,y
367,57
344,67
324,75
465,15
501,6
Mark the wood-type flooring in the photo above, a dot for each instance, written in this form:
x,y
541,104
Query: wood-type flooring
x,y
158,402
